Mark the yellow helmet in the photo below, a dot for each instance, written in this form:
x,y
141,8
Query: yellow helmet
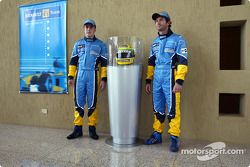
x,y
125,55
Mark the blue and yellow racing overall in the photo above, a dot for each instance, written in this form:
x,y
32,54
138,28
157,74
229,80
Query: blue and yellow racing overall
x,y
88,55
167,65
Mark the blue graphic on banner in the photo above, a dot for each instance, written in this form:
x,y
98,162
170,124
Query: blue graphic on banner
x,y
43,48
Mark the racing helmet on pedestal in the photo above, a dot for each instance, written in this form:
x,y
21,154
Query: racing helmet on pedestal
x,y
125,55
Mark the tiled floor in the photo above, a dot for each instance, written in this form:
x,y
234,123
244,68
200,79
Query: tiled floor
x,y
43,147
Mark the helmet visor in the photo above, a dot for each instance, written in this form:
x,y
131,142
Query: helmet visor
x,y
125,54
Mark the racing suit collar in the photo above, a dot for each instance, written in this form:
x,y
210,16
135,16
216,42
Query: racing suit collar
x,y
163,36
90,39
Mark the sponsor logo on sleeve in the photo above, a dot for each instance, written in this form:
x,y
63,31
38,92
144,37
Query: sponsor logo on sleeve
x,y
183,50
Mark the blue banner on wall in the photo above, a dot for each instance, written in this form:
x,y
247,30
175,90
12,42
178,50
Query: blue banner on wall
x,y
43,47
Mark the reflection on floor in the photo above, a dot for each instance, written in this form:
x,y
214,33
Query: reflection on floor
x,y
43,147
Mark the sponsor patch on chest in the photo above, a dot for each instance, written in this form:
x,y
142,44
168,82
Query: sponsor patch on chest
x,y
95,50
155,44
169,50
81,46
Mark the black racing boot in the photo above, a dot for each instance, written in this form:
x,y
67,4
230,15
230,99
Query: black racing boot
x,y
155,138
174,143
92,133
76,133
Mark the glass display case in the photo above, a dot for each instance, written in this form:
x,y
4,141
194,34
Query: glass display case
x,y
124,87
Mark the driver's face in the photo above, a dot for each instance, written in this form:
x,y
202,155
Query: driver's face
x,y
89,30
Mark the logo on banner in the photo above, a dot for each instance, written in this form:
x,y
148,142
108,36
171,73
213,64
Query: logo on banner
x,y
46,13
42,13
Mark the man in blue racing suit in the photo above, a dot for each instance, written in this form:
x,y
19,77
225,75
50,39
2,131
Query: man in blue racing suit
x,y
88,55
167,67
